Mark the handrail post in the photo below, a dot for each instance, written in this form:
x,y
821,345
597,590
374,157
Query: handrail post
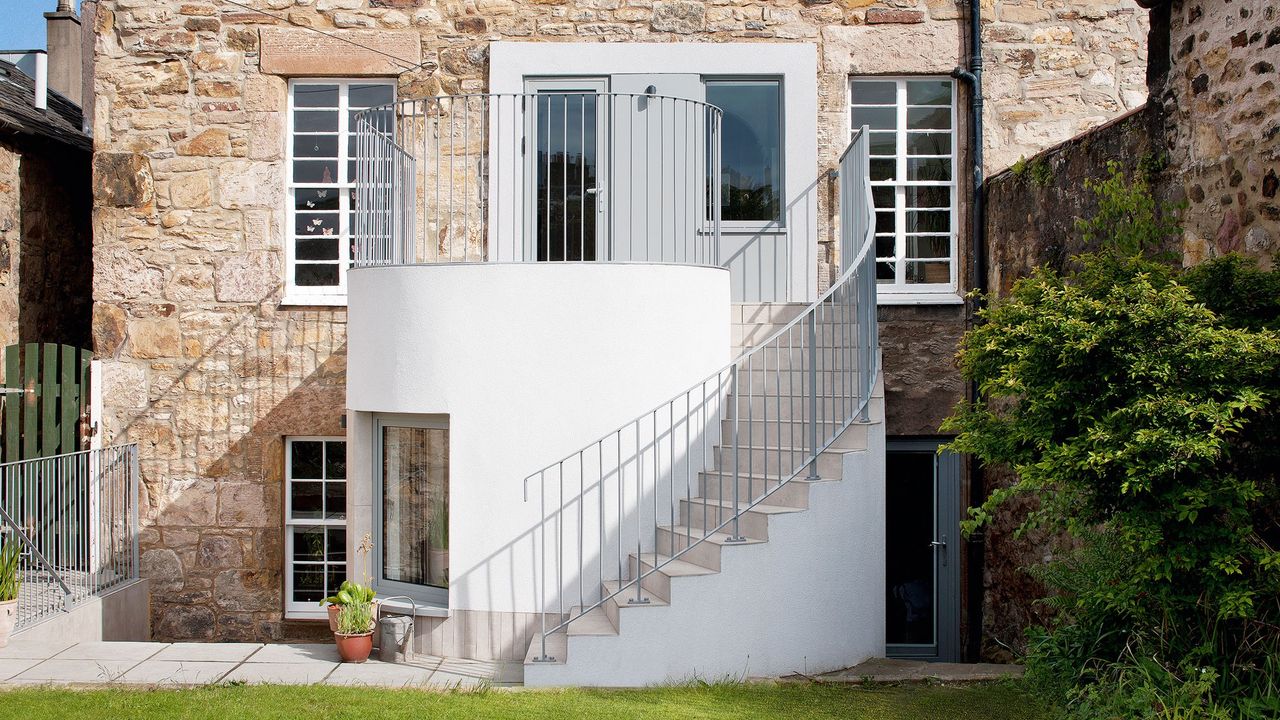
x,y
134,501
735,536
813,394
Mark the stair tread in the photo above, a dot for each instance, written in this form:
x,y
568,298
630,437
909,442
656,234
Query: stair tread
x,y
786,448
594,622
675,568
770,477
611,586
717,538
763,508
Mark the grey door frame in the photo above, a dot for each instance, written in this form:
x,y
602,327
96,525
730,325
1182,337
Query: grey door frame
x,y
948,508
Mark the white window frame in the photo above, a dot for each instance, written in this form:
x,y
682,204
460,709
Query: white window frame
x,y
778,223
430,596
899,291
322,294
306,610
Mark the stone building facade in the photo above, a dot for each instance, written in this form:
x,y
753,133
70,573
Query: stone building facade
x,y
209,367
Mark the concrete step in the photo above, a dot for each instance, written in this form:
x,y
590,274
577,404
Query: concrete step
x,y
788,433
557,647
595,622
794,494
764,403
673,539
659,582
703,513
776,460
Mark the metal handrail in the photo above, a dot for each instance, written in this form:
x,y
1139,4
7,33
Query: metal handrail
x,y
573,176
76,517
837,373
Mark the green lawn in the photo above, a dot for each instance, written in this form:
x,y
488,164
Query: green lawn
x,y
758,702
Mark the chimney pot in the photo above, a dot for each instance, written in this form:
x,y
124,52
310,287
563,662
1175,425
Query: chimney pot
x,y
63,6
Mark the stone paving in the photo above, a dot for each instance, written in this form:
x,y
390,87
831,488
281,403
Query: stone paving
x,y
887,670
153,664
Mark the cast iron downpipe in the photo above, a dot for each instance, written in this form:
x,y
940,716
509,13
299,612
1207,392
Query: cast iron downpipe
x,y
978,281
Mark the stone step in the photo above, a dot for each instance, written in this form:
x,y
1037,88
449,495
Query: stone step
x,y
673,539
659,582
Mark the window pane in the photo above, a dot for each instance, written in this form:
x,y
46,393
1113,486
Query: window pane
x,y
927,221
884,272
308,583
885,246
883,197
308,544
333,579
883,143
751,159
315,96
928,247
875,118
315,121
315,199
305,460
335,460
335,500
362,96
315,172
316,249
320,224
929,92
315,146
928,196
884,222
929,272
315,275
337,548
306,500
928,143
872,92
884,169
932,169
415,505
928,118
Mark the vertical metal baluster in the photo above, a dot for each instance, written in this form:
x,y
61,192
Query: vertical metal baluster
x,y
621,506
564,178
688,463
735,537
600,503
582,182
542,555
581,489
560,541
639,599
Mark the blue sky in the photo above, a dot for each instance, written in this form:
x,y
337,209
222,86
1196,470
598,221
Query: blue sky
x,y
22,23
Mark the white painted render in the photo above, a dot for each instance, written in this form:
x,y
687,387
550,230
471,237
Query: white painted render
x,y
530,362
811,599
754,257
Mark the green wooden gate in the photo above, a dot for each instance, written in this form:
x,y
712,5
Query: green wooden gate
x,y
47,393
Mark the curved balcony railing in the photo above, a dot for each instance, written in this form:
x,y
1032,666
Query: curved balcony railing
x,y
559,176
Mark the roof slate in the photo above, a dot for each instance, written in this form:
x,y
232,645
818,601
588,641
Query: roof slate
x,y
19,116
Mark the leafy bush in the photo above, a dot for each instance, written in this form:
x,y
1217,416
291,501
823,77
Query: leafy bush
x,y
1138,404
10,581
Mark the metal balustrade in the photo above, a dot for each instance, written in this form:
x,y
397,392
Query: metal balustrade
x,y
690,471
529,177
75,518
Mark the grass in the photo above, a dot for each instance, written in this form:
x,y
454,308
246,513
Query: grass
x,y
712,702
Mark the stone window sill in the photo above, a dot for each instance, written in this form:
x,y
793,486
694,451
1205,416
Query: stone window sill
x,y
885,298
314,301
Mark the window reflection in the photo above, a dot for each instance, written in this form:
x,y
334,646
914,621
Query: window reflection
x,y
751,142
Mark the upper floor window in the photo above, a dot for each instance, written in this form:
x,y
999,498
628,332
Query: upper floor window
x,y
321,179
913,155
751,148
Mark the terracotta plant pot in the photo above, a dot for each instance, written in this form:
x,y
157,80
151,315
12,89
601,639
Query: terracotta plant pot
x,y
354,648
333,616
8,618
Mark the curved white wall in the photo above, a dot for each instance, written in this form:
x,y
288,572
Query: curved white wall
x,y
530,362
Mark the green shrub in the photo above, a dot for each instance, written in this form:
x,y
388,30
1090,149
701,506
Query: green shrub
x,y
1138,404
355,618
10,580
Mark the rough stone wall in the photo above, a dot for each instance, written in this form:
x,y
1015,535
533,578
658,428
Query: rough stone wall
x,y
208,371
1222,120
54,303
10,232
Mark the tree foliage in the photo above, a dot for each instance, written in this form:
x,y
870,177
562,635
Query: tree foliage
x,y
1138,404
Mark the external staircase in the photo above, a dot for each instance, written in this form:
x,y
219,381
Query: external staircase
x,y
758,603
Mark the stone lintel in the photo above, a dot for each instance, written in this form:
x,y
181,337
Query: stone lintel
x,y
293,52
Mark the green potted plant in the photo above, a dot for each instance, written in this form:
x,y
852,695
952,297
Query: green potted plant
x,y
354,636
348,593
10,581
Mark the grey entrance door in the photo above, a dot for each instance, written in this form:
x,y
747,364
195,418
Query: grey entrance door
x,y
922,551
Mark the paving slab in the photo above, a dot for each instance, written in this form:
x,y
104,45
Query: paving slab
x,y
175,672
443,680
309,672
13,666
114,651
60,671
379,674
208,652
32,647
296,653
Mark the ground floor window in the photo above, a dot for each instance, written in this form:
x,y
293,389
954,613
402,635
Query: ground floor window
x,y
315,536
413,522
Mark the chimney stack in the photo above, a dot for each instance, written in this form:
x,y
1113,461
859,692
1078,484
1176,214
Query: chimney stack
x,y
65,52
